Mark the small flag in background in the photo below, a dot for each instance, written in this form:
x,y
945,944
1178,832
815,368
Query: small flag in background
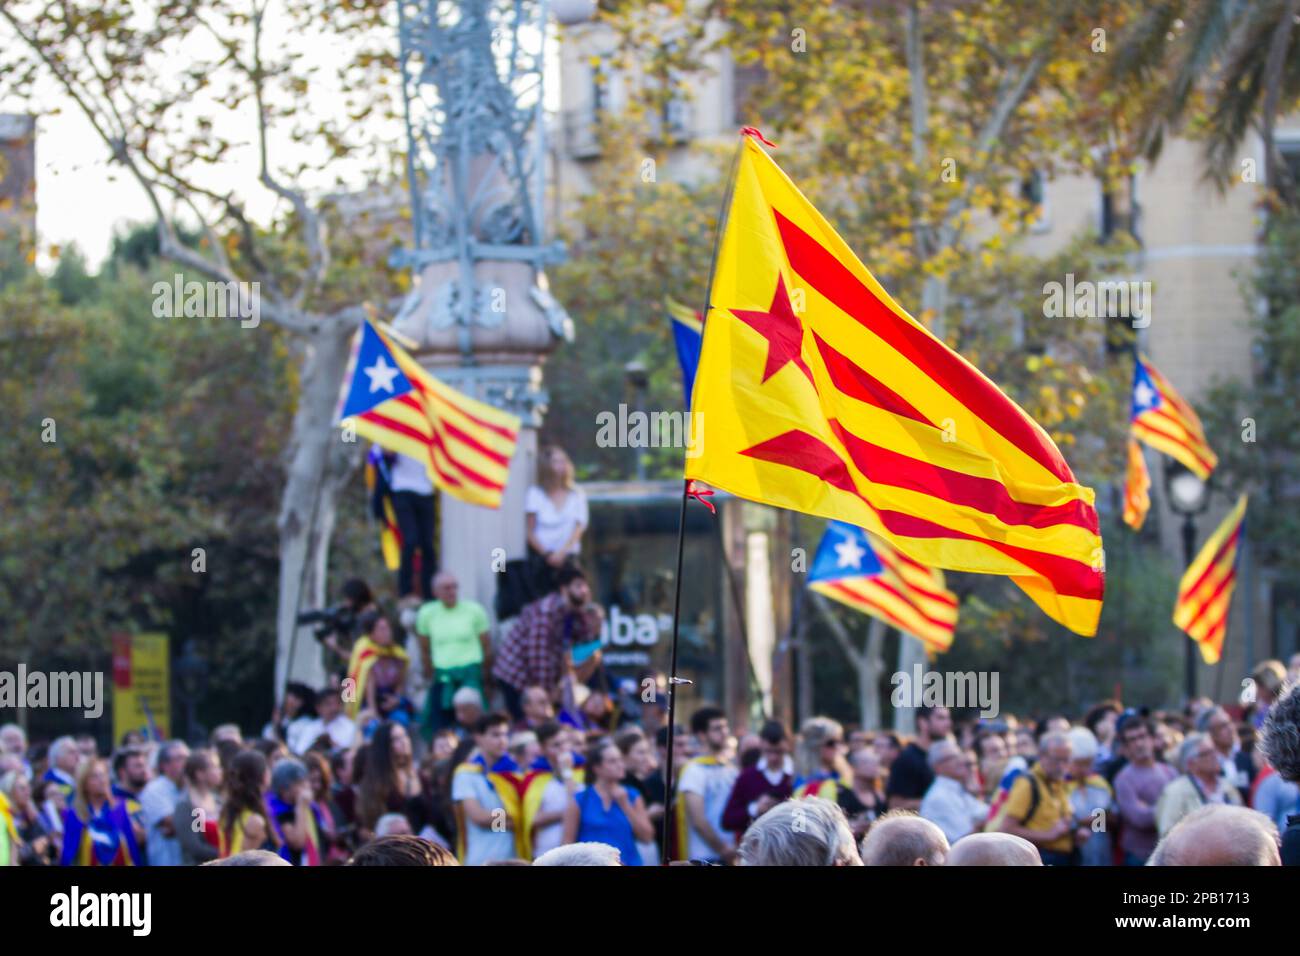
x,y
1137,487
870,576
824,396
688,333
1168,424
465,444
1205,593
381,505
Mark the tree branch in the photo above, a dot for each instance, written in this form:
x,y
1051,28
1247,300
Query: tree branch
x,y
837,629
312,225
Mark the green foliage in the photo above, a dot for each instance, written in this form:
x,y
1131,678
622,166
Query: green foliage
x,y
1266,406
632,243
168,438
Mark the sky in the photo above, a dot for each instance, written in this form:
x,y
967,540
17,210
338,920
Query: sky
x,y
83,198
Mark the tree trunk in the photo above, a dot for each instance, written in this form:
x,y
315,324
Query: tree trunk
x,y
318,463
910,653
870,666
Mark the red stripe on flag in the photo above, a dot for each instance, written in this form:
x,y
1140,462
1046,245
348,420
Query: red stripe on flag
x,y
835,282
482,423
469,474
887,467
910,601
863,599
858,383
404,429
1209,601
811,455
1066,576
806,453
1230,543
933,595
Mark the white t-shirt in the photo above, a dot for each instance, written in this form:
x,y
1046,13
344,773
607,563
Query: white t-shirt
x,y
305,731
555,797
482,844
713,782
555,525
407,474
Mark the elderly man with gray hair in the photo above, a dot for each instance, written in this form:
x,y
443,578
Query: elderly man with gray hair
x,y
1219,835
807,832
1038,806
64,757
947,802
1199,785
901,838
1280,745
580,854
158,805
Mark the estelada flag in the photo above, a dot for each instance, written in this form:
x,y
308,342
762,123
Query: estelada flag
x,y
1205,593
1137,487
465,444
821,395
1160,417
870,576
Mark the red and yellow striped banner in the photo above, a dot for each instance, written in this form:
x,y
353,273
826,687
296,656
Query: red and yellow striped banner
x,y
822,395
1205,593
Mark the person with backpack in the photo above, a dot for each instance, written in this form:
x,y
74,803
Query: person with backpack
x,y
1038,807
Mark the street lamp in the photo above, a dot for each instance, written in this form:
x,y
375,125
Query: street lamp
x,y
1188,496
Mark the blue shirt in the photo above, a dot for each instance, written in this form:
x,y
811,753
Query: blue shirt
x,y
610,826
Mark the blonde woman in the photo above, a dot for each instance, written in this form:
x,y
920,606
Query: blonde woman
x,y
556,514
819,762
97,830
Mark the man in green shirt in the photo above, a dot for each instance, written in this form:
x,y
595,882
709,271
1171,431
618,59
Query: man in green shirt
x,y
455,649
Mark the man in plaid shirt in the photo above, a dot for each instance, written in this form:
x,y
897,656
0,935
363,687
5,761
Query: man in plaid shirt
x,y
535,651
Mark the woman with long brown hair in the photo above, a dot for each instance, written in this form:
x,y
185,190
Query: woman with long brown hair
x,y
389,779
243,814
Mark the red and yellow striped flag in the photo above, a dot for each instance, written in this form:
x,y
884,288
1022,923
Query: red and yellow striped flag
x,y
1137,487
465,444
821,395
1205,593
871,576
1161,418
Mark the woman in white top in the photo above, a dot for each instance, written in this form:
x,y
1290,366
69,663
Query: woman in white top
x,y
556,512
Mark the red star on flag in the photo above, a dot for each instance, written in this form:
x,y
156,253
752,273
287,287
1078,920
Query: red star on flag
x,y
782,329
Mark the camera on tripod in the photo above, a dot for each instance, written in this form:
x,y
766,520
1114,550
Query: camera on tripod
x,y
339,619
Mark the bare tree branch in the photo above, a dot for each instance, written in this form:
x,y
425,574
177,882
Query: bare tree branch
x,y
312,225
837,629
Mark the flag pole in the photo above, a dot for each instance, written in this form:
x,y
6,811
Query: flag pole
x,y
673,682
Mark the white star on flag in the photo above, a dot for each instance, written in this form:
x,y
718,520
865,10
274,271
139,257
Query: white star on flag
x,y
381,375
1144,394
850,554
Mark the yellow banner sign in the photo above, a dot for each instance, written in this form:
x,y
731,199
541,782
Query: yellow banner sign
x,y
141,686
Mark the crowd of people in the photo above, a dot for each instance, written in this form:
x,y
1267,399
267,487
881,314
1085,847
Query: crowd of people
x,y
432,744
546,783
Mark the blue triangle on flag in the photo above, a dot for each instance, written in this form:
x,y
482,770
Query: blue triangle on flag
x,y
1145,394
844,552
376,376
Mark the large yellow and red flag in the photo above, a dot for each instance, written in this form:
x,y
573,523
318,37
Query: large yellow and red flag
x,y
1205,593
822,395
465,445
